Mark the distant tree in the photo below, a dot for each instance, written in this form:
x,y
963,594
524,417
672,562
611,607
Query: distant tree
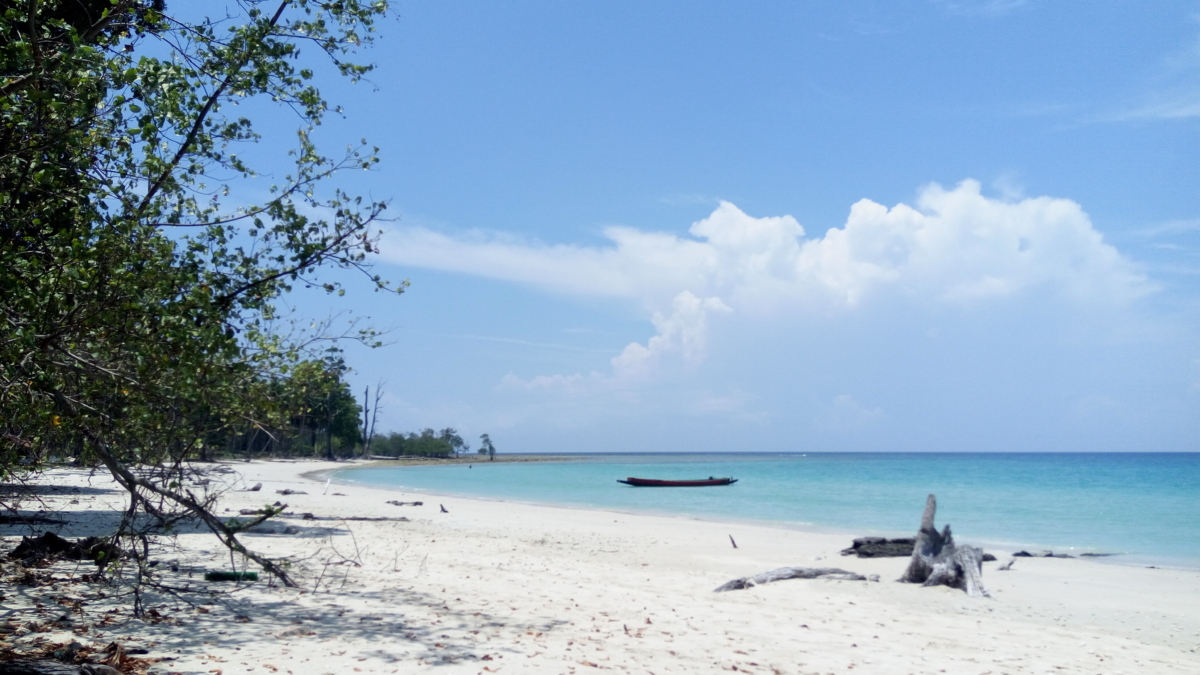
x,y
485,446
455,441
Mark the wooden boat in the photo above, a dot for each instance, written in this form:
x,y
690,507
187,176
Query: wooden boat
x,y
651,482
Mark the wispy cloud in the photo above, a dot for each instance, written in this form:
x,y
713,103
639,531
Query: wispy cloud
x,y
984,8
1170,228
1175,93
845,413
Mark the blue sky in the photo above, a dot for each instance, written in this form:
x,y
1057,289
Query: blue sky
x,y
786,226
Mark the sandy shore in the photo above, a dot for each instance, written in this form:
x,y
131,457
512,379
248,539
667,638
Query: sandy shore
x,y
500,587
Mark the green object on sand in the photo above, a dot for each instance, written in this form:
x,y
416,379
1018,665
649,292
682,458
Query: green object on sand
x,y
231,576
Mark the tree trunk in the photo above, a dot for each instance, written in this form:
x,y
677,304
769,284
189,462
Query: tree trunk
x,y
936,560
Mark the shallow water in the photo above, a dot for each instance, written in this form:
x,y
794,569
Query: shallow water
x,y
1145,506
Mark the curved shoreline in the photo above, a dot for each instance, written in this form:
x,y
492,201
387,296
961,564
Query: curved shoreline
x,y
999,547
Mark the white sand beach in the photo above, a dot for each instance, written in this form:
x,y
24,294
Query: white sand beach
x,y
490,587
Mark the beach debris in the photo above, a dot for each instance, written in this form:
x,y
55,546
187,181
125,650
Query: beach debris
x,y
52,667
100,550
74,658
881,547
255,488
398,503
371,519
1047,554
1006,566
936,560
783,573
732,541
289,491
443,509
261,515
231,576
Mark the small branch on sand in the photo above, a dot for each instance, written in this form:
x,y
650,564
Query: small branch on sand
x,y
793,573
937,561
732,541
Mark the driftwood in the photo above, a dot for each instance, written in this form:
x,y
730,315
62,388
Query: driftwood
x,y
791,573
936,560
255,488
881,547
1051,554
290,491
396,503
52,667
368,519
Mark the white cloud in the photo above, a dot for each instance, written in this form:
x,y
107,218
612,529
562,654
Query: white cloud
x,y
955,246
682,332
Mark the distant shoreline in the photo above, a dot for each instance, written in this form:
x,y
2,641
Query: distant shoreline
x,y
322,474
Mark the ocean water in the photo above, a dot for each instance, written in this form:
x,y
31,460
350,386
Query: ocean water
x,y
1144,506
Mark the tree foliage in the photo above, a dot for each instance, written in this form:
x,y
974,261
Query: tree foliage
x,y
428,443
139,276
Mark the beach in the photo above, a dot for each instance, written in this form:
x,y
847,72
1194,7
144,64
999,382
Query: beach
x,y
477,586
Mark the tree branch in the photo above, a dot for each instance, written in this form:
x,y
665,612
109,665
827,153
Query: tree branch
x,y
154,187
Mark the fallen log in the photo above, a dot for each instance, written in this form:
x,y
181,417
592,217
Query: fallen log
x,y
936,560
783,573
881,547
397,503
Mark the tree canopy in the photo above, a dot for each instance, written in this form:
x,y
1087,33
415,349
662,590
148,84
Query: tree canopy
x,y
139,273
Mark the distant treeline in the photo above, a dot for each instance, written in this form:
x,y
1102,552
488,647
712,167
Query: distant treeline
x,y
429,443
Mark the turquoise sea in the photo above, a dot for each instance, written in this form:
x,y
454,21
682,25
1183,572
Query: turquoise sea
x,y
1144,506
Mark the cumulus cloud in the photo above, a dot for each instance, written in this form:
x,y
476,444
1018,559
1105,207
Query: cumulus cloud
x,y
954,247
682,333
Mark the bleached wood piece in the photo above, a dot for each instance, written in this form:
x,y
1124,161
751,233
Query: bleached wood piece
x,y
789,573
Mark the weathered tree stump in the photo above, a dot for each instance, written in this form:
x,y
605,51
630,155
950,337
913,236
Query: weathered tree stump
x,y
936,560
790,573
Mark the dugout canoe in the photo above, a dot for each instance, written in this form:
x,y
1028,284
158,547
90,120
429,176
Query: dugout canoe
x,y
652,482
